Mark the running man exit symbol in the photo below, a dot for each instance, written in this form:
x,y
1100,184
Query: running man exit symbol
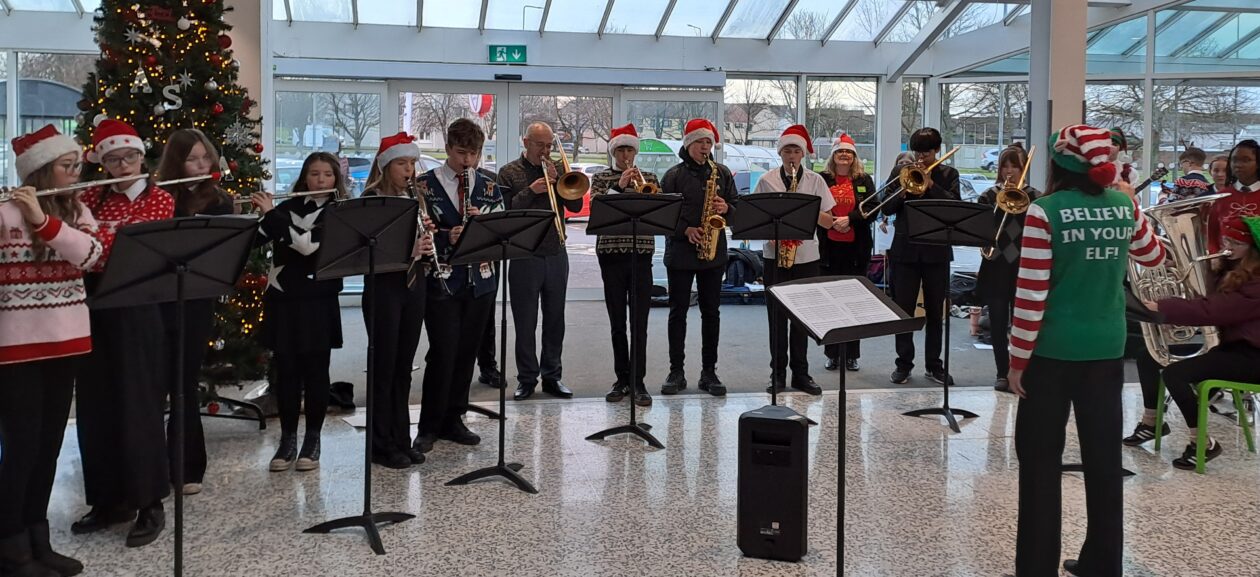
x,y
507,54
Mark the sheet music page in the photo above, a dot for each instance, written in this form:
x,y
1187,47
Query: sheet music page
x,y
833,305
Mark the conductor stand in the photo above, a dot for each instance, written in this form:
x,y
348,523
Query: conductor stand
x,y
776,216
368,235
950,223
633,214
502,236
175,261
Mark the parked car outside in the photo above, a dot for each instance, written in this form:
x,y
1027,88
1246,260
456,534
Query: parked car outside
x,y
990,160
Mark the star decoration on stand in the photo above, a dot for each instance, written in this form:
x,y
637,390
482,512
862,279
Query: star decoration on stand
x,y
238,135
185,79
133,36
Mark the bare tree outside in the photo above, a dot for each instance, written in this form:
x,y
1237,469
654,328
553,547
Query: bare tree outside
x,y
354,114
750,107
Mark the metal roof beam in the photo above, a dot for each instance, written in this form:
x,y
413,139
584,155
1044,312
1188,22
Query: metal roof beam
x,y
1131,50
419,15
783,16
481,21
1242,43
669,10
78,6
542,24
835,23
288,12
721,23
934,28
603,23
1217,25
896,19
1013,14
4,5
354,13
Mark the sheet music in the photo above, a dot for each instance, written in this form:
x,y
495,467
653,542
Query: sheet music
x,y
823,307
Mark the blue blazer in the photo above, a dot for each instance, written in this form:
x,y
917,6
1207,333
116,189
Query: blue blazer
x,y
483,194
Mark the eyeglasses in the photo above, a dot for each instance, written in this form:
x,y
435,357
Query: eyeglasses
x,y
116,161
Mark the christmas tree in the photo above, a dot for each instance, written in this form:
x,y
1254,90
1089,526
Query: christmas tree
x,y
167,65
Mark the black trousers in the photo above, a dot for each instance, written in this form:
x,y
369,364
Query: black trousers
x,y
119,405
399,316
198,328
843,259
616,272
709,285
789,341
455,324
999,332
535,282
1092,390
298,373
34,406
1235,361
907,278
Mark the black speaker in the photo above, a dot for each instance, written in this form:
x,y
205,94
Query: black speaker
x,y
773,483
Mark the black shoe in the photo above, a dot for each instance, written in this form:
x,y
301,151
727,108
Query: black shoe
x,y
851,365
557,389
1187,460
1002,385
806,383
675,382
392,460
458,433
524,391
41,550
491,377
832,364
641,396
149,524
1073,567
899,376
308,458
414,455
617,392
940,377
710,382
17,560
286,453
424,443
777,385
1143,433
100,518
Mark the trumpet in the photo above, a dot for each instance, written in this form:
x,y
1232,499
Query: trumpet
x,y
288,195
1010,200
6,194
642,185
912,181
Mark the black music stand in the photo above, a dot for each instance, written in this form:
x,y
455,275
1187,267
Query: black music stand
x,y
633,214
842,333
776,216
950,223
176,260
502,236
367,235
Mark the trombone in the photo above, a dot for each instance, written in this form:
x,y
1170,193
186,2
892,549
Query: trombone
x,y
6,194
569,185
912,180
1010,200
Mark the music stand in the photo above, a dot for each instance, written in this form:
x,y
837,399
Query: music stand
x,y
948,223
176,260
633,214
829,288
367,235
502,236
776,216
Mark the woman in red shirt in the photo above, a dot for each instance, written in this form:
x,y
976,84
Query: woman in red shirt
x,y
846,247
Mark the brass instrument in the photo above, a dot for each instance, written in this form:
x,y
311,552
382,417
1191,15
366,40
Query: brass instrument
x,y
571,184
1010,200
711,224
6,194
911,181
787,249
1184,273
642,185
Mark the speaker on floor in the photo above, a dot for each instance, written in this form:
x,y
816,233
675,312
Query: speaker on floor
x,y
773,485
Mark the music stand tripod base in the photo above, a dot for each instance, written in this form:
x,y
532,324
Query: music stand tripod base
x,y
480,410
948,412
368,522
638,429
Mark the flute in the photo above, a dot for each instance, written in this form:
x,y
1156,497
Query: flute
x,y
288,195
7,194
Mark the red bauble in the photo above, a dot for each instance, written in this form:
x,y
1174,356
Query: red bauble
x,y
215,59
246,104
225,41
258,148
232,165
217,108
151,60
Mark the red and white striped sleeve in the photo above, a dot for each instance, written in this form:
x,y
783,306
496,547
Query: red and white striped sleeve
x,y
1031,286
1144,248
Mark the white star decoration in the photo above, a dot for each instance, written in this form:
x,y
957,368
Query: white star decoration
x,y
238,134
185,79
133,36
273,277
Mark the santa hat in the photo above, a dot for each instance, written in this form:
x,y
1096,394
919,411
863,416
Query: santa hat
x,y
111,135
795,134
624,136
1086,150
698,128
845,142
41,147
401,145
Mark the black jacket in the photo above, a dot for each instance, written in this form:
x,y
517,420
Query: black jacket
x,y
863,188
689,179
944,187
295,228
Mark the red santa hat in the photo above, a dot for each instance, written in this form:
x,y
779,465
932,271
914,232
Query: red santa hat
x,y
1236,229
1087,150
111,135
798,135
624,136
845,142
698,128
401,145
41,147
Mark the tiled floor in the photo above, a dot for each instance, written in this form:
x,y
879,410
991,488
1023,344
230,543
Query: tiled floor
x,y
921,501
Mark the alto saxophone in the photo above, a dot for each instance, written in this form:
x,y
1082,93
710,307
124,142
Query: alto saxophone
x,y
787,248
711,223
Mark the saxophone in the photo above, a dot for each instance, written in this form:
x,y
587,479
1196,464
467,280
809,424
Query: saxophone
x,y
787,248
711,224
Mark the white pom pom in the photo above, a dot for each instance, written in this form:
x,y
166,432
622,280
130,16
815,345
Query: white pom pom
x,y
159,109
183,23
99,118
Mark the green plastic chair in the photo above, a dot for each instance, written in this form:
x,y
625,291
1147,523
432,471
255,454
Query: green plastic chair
x,y
1205,394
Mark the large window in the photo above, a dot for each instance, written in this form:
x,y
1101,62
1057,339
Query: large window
x,y
980,119
1212,116
841,105
1119,106
50,89
345,123
911,109
758,109
427,115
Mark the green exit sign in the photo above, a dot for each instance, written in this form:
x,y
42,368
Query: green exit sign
x,y
507,54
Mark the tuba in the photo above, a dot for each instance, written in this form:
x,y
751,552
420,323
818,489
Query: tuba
x,y
787,248
712,225
1185,273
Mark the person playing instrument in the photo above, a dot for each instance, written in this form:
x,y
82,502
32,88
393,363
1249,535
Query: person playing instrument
x,y
1235,309
301,315
916,266
1068,334
398,314
44,334
1219,169
122,384
1244,191
540,281
188,152
996,280
1192,183
455,316
845,248
1126,171
616,255
693,178
789,341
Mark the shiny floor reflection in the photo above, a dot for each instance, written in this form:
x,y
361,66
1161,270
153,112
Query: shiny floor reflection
x,y
921,501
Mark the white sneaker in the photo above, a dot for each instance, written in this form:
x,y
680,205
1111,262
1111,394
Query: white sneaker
x,y
192,488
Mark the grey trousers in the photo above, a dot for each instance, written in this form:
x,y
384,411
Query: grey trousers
x,y
533,282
